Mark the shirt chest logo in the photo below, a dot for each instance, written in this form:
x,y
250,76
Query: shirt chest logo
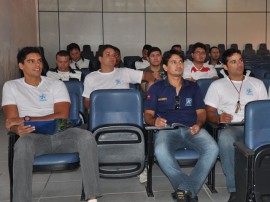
x,y
117,82
249,91
42,97
188,102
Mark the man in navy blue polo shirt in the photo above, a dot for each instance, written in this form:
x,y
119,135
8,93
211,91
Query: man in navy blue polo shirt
x,y
175,100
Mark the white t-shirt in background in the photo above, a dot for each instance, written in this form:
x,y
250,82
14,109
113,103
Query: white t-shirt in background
x,y
64,76
140,65
119,78
81,64
190,71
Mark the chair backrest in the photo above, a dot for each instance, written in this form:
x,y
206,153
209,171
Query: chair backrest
x,y
116,121
114,107
262,49
74,106
44,61
204,84
248,46
234,46
85,72
87,52
263,46
76,87
266,82
130,60
257,127
221,48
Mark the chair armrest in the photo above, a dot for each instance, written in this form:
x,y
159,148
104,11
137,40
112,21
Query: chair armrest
x,y
213,129
243,149
13,137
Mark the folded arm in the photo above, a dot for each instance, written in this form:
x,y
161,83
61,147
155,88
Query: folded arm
x,y
15,123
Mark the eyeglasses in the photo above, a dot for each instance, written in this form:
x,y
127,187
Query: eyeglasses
x,y
177,102
200,53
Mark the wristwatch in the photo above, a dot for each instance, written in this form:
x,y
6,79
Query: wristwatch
x,y
27,118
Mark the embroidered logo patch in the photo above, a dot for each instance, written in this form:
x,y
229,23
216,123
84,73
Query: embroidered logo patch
x,y
249,91
188,102
42,97
117,82
162,99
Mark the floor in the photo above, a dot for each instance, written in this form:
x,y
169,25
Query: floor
x,y
66,186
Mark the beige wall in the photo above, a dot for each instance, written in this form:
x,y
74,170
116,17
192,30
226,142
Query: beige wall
x,y
18,28
129,24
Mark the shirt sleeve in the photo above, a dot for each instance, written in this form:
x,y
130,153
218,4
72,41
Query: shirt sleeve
x,y
198,97
54,75
60,92
132,76
263,92
88,89
186,73
211,97
151,99
213,72
8,96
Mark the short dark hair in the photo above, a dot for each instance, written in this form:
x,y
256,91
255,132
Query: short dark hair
x,y
198,45
147,47
213,48
168,54
72,46
62,53
25,51
153,49
228,53
103,48
176,46
117,49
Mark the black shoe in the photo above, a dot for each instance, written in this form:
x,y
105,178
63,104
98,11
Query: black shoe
x,y
233,197
182,196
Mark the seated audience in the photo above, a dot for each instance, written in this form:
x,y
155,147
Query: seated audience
x,y
214,55
77,61
155,68
196,69
109,77
35,97
63,71
143,62
176,100
225,102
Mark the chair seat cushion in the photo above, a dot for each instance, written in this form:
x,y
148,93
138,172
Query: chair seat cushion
x,y
186,157
61,158
186,154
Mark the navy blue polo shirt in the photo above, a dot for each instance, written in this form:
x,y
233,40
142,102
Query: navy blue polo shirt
x,y
161,99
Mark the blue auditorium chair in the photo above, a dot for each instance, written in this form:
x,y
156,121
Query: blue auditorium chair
x,y
252,158
76,87
116,121
266,82
185,157
48,162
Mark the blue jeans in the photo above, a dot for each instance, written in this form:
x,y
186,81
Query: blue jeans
x,y
226,138
168,141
